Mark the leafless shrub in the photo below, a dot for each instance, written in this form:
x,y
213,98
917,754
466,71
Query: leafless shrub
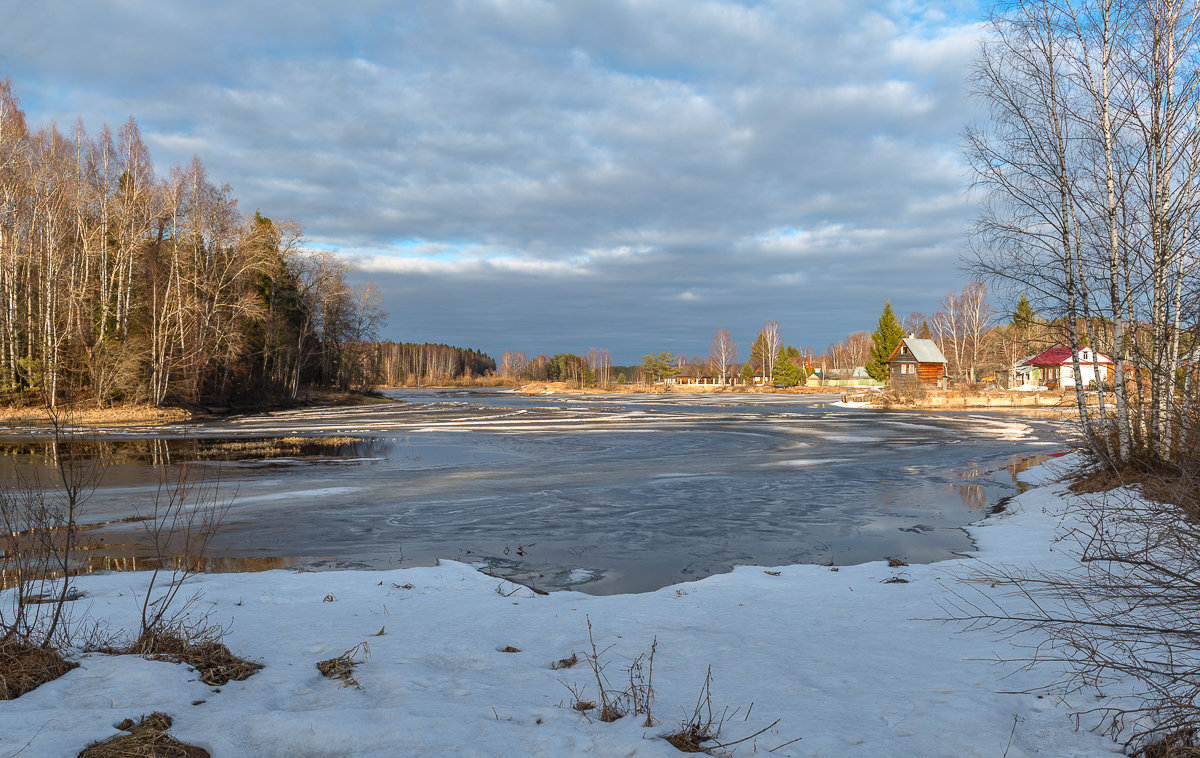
x,y
700,726
180,522
613,702
704,725
1126,613
39,533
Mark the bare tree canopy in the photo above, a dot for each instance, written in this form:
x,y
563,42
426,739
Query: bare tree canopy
x,y
117,283
1089,162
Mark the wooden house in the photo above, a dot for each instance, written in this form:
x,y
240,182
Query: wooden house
x,y
1055,369
917,361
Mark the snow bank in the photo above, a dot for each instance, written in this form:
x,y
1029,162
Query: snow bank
x,y
838,656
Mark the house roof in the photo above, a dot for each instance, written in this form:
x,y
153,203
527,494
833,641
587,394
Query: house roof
x,y
1057,356
924,351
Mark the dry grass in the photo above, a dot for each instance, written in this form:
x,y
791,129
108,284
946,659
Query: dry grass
x,y
25,667
276,446
1157,483
565,663
147,738
127,414
1179,744
342,667
198,647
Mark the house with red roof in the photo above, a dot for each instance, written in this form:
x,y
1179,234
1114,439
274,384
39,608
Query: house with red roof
x,y
1055,367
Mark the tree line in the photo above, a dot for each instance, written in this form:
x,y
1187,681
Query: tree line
x,y
117,283
412,363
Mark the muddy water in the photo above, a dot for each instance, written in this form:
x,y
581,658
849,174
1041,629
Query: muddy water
x,y
612,493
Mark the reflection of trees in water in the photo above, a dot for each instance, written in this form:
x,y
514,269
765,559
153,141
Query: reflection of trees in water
x,y
94,553
1024,463
216,565
161,451
973,496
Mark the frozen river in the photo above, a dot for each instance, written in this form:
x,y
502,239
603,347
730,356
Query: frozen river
x,y
603,493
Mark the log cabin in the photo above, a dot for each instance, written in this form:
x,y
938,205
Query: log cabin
x,y
917,361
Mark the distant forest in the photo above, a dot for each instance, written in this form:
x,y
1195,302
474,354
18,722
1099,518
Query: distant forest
x,y
117,284
409,363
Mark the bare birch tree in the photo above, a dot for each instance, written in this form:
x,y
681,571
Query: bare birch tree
x,y
723,355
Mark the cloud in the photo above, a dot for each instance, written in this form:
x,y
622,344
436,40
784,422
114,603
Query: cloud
x,y
575,166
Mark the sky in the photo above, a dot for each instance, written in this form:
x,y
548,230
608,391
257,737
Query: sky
x,y
629,175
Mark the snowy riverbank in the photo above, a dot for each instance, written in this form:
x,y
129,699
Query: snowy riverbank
x,y
840,658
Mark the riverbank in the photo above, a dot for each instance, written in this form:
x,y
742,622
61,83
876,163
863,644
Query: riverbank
x,y
564,388
144,414
811,661
1049,402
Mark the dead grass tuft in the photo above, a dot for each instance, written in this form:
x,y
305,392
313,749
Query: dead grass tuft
x,y
199,648
895,563
342,667
25,667
510,649
1158,483
565,663
1178,744
147,738
689,740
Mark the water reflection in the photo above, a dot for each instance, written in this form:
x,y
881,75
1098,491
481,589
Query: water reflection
x,y
612,494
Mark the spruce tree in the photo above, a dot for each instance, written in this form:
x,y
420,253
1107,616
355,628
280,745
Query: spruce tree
x,y
1024,316
886,337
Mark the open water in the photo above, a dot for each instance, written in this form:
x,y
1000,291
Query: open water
x,y
602,493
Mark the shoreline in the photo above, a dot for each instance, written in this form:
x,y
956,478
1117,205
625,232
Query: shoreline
x,y
145,414
464,664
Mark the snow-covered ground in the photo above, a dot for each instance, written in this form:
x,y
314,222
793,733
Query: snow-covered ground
x,y
843,660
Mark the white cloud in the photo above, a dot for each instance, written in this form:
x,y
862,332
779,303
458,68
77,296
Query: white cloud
x,y
604,147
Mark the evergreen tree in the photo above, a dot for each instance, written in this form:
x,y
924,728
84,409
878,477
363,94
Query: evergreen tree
x,y
1024,316
887,335
788,373
926,333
